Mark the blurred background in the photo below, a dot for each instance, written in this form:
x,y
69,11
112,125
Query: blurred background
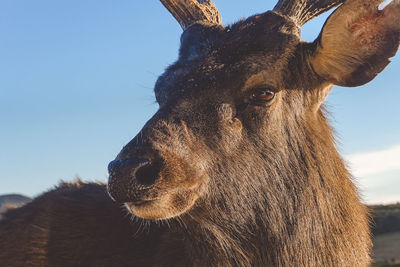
x,y
76,84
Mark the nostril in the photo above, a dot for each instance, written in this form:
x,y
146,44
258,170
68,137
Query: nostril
x,y
129,178
137,170
125,166
148,174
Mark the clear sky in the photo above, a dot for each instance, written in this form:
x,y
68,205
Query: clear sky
x,y
76,81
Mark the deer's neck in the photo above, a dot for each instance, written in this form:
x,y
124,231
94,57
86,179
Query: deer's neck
x,y
300,212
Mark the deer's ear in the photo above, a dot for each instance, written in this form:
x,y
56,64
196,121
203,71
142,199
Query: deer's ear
x,y
357,41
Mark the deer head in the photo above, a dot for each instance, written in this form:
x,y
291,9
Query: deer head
x,y
241,114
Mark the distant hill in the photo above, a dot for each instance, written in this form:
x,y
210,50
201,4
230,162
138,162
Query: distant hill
x,y
386,235
386,218
12,201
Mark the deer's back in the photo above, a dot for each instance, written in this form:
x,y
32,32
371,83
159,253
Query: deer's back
x,y
74,225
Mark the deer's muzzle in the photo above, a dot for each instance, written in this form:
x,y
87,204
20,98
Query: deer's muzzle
x,y
131,179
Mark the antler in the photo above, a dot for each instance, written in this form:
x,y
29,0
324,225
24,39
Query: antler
x,y
188,12
302,11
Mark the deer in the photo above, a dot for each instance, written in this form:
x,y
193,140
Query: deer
x,y
239,165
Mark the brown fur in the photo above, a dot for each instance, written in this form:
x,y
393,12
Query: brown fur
x,y
214,178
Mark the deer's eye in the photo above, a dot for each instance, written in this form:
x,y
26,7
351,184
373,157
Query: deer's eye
x,y
262,96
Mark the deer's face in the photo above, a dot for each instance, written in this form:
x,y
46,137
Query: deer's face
x,y
227,108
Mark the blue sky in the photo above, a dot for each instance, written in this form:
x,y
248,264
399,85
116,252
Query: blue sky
x,y
76,81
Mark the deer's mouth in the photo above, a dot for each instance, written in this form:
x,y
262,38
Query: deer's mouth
x,y
168,206
155,188
140,202
160,182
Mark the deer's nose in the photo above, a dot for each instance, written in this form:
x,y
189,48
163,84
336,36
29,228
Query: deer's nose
x,y
126,167
130,178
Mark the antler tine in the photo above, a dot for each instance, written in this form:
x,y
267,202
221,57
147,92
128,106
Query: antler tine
x,y
302,11
188,12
